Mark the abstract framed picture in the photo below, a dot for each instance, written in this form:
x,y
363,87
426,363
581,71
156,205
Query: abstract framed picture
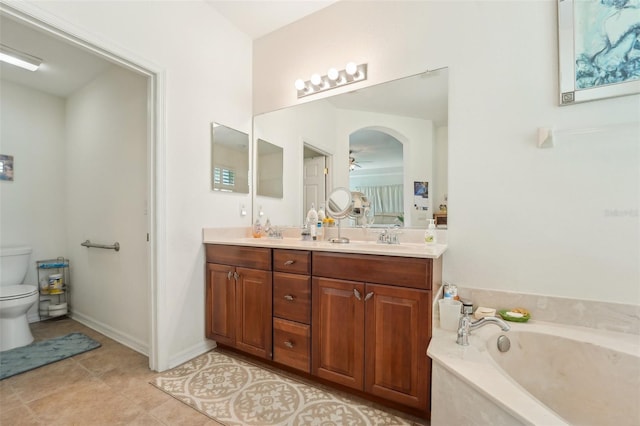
x,y
599,49
6,167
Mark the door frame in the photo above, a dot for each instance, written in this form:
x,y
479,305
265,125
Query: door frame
x,y
32,15
328,180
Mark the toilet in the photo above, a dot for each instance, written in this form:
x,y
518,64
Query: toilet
x,y
15,298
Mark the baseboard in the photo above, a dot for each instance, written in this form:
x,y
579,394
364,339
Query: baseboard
x,y
112,333
190,353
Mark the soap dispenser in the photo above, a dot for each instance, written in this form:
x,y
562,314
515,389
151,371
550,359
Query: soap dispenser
x,y
430,237
312,220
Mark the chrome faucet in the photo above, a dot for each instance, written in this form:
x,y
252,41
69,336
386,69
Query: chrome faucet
x,y
389,235
466,325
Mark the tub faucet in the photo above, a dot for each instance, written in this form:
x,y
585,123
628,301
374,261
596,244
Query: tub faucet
x,y
466,325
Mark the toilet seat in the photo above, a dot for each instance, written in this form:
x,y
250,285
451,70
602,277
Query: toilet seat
x,y
20,291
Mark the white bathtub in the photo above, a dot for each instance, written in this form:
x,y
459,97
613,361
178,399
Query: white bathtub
x,y
552,375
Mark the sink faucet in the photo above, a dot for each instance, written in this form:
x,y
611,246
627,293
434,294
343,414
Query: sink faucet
x,y
389,235
466,325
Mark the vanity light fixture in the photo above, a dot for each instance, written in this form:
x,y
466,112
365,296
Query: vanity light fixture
x,y
20,59
334,78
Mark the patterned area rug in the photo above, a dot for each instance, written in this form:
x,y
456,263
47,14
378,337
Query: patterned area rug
x,y
25,358
234,392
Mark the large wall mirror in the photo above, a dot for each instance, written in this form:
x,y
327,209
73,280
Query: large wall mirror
x,y
388,141
229,159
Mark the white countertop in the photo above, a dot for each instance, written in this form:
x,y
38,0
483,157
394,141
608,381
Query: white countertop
x,y
239,237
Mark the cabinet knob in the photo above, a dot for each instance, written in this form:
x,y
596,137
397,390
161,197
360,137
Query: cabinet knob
x,y
236,276
288,343
368,296
289,262
357,294
229,275
288,297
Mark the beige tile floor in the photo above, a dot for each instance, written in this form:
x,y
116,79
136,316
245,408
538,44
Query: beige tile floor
x,y
106,386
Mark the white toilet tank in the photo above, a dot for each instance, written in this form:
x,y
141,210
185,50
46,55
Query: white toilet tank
x,y
14,264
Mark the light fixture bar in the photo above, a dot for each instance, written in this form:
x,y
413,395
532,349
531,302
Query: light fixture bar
x,y
19,59
334,78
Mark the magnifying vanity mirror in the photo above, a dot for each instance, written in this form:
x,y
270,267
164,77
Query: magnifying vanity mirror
x,y
343,203
229,159
353,133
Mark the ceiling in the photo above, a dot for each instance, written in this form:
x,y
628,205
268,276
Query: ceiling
x,y
66,67
258,18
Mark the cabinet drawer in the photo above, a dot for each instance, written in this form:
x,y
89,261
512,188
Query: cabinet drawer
x,y
249,257
294,261
401,271
292,297
292,344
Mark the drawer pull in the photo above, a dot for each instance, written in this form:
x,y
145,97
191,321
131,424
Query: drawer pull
x,y
288,297
289,262
357,294
288,343
368,296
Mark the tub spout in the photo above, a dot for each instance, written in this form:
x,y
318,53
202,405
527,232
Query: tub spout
x,y
466,325
488,320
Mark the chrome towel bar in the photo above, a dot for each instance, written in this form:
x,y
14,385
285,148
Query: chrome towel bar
x,y
115,246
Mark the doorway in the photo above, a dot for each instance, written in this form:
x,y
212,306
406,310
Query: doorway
x,y
315,178
108,284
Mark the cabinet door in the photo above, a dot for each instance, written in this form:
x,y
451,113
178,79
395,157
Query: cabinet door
x,y
397,322
253,310
337,331
221,304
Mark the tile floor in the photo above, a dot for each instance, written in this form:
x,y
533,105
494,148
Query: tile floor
x,y
106,386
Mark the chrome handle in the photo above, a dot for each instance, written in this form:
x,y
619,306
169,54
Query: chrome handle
x,y
289,262
288,297
229,275
368,296
288,344
236,276
357,294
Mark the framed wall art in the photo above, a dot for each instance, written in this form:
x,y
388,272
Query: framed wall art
x,y
6,167
599,49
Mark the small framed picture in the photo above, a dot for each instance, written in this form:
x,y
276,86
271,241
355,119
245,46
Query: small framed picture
x,y
6,167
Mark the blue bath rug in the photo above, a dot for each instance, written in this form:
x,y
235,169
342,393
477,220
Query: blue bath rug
x,y
18,360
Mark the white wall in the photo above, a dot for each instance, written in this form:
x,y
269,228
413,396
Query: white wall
x,y
521,218
207,68
107,201
33,206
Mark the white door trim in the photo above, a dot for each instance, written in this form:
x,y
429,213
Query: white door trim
x,y
156,154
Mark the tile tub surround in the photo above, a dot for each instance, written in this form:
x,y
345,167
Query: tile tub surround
x,y
363,241
617,317
558,359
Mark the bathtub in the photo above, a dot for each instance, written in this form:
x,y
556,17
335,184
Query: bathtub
x,y
551,375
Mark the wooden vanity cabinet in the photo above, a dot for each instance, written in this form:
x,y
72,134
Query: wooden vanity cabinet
x,y
372,334
238,298
292,308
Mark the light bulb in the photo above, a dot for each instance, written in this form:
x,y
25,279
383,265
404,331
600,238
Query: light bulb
x,y
316,79
300,84
333,74
351,68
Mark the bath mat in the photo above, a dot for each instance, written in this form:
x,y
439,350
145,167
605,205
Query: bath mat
x,y
18,360
234,392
